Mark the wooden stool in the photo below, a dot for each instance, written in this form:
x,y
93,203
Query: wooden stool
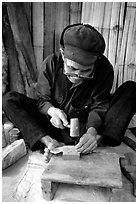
x,y
96,169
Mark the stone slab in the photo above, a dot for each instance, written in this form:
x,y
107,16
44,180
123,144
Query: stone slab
x,y
13,152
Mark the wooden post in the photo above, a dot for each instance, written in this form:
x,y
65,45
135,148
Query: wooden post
x,y
49,189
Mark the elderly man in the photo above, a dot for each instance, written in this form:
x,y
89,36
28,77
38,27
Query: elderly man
x,y
74,83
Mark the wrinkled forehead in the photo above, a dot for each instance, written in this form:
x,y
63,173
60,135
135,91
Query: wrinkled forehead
x,y
73,64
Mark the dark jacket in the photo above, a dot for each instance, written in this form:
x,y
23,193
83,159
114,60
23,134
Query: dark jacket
x,y
88,101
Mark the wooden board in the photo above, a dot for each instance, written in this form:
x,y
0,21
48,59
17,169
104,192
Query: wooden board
x,y
97,169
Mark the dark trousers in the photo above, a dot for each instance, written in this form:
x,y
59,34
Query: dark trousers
x,y
24,114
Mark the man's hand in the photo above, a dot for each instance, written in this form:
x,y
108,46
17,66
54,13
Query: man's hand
x,y
58,117
89,141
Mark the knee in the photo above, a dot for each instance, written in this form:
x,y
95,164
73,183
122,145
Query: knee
x,y
130,86
8,97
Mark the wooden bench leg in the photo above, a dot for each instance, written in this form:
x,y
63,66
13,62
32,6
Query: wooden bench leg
x,y
49,189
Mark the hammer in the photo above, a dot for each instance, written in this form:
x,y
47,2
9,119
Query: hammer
x,y
74,127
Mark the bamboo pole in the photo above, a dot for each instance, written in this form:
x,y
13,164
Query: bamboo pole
x,y
119,41
106,25
114,31
130,59
124,49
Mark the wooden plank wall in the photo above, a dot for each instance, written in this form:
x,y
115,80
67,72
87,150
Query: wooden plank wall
x,y
49,19
117,22
43,23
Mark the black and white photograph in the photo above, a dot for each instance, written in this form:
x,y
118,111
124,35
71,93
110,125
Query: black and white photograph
x,y
69,101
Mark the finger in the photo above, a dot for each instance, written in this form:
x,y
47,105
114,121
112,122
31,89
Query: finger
x,y
84,139
46,155
68,126
90,149
63,118
56,122
81,142
46,150
86,146
53,123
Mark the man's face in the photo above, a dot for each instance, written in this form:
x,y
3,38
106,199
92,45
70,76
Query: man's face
x,y
75,72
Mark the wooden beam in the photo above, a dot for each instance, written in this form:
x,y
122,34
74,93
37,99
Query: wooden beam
x,y
16,82
21,32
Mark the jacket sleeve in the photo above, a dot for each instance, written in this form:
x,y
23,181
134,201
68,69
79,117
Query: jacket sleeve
x,y
100,102
44,86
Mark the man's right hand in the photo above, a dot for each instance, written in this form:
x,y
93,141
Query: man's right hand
x,y
58,117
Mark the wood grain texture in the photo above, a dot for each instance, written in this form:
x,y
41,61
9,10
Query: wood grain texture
x,y
116,22
21,32
97,169
16,82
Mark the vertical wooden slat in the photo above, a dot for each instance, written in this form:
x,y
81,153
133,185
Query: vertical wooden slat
x,y
62,20
65,13
86,14
118,29
119,42
131,45
16,82
106,25
28,6
123,51
93,14
75,12
22,35
49,28
38,31
113,35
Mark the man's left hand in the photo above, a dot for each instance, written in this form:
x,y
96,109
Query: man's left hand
x,y
88,142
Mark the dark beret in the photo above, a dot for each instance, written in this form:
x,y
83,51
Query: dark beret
x,y
82,42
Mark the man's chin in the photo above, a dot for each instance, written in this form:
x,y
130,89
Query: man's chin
x,y
74,80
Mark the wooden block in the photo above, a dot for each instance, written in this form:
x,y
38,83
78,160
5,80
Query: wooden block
x,y
70,153
13,152
49,189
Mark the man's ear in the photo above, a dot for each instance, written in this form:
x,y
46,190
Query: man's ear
x,y
62,53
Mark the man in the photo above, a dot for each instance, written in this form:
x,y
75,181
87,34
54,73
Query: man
x,y
74,83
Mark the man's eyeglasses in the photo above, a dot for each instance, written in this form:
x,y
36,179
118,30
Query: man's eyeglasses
x,y
78,75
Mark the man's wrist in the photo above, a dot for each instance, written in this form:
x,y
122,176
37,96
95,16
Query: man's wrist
x,y
51,110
